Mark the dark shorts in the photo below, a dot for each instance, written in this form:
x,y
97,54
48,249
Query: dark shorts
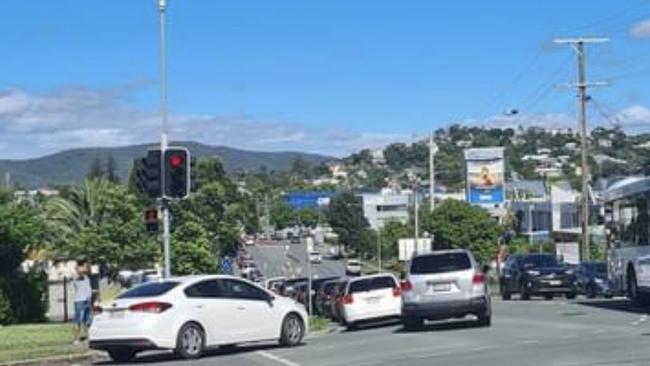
x,y
83,313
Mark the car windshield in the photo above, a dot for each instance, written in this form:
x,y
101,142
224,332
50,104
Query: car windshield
x,y
370,284
440,263
151,289
540,261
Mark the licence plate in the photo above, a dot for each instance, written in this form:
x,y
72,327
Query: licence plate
x,y
440,287
372,300
555,283
116,314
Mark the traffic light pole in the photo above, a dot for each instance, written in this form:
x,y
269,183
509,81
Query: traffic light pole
x,y
162,10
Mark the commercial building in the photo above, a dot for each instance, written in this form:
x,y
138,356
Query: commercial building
x,y
386,206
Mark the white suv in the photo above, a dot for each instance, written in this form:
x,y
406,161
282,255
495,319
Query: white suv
x,y
370,298
443,285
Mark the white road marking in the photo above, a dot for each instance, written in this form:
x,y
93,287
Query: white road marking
x,y
642,319
277,359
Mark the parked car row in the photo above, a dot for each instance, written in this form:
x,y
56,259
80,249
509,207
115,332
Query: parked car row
x,y
544,275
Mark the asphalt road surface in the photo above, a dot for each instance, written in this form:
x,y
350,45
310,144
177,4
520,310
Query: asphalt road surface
x,y
548,333
284,259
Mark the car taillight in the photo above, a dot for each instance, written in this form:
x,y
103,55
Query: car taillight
x,y
97,309
406,286
478,279
150,307
396,291
347,299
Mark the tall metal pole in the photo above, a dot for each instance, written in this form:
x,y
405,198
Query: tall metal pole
x,y
433,149
578,45
379,248
417,214
162,11
582,107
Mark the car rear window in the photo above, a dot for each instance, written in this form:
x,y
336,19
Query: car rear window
x,y
150,289
369,284
440,263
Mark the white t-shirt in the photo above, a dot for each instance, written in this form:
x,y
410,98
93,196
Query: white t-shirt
x,y
82,289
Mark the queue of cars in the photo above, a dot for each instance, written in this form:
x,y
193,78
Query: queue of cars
x,y
192,314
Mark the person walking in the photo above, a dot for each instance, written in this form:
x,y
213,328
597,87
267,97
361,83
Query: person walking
x,y
82,301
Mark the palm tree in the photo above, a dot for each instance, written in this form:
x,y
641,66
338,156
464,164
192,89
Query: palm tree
x,y
83,207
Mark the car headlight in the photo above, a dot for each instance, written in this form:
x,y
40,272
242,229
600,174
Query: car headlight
x,y
599,281
569,271
533,273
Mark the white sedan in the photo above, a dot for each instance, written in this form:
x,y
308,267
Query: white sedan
x,y
192,314
371,298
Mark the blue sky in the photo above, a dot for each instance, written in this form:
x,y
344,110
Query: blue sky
x,y
330,77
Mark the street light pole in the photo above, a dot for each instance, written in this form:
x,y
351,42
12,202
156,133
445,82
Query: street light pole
x,y
379,248
162,11
433,149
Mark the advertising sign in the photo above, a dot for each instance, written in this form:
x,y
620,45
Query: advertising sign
x,y
485,176
408,247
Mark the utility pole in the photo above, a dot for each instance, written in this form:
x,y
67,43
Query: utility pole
x,y
578,44
433,149
379,248
417,214
162,11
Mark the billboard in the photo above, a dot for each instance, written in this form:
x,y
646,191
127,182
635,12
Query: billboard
x,y
300,200
409,247
484,169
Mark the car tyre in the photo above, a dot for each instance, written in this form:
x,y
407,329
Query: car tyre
x,y
485,320
548,297
293,330
412,323
591,292
351,326
122,355
505,294
190,342
523,293
571,295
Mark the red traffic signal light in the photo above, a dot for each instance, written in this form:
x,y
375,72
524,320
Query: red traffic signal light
x,y
176,161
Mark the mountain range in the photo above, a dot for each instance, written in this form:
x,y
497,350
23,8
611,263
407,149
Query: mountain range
x,y
72,166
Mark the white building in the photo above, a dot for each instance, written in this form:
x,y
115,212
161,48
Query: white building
x,y
386,206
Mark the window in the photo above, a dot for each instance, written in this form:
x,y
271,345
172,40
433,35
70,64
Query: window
x,y
540,261
151,289
242,290
440,263
205,289
632,219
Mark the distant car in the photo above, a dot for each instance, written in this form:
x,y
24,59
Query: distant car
x,y
536,275
371,298
249,269
353,267
250,241
191,314
591,279
315,257
295,240
274,283
337,298
323,297
443,285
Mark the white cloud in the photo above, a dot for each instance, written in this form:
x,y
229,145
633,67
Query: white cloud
x,y
634,116
641,29
34,124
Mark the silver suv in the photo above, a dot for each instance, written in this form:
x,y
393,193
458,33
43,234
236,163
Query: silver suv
x,y
443,285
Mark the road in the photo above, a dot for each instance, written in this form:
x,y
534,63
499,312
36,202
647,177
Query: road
x,y
273,259
548,333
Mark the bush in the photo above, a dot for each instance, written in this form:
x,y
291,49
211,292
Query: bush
x,y
5,310
24,296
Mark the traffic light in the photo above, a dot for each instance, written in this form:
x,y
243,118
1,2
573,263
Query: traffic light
x,y
151,220
148,173
176,180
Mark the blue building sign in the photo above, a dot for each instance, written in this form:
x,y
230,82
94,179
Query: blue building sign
x,y
300,200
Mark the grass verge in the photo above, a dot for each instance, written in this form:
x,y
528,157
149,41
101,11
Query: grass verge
x,y
27,342
317,324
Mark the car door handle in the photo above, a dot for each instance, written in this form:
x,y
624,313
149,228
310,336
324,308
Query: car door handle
x,y
199,306
241,308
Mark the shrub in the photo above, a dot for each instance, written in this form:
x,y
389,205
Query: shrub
x,y
5,310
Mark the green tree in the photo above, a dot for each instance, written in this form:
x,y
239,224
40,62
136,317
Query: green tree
x,y
102,221
191,250
96,170
346,218
308,216
111,169
457,224
282,216
390,235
